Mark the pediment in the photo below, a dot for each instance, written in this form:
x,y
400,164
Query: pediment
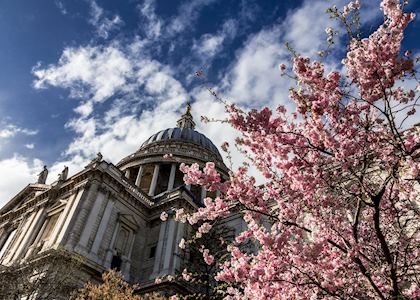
x,y
129,220
25,195
58,204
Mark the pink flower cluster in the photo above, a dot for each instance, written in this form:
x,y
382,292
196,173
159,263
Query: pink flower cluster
x,y
353,5
374,63
208,258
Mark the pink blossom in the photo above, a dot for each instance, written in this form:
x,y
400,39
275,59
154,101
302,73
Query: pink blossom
x,y
208,258
158,280
282,67
350,7
182,243
204,228
186,275
163,216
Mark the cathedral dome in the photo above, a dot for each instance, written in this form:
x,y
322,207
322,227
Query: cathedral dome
x,y
154,167
188,135
180,141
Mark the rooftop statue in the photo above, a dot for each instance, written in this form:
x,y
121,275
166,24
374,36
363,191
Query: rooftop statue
x,y
42,177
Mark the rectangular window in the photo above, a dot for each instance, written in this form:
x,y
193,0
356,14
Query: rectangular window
x,y
196,191
211,194
179,177
133,174
51,221
146,177
122,241
163,178
152,252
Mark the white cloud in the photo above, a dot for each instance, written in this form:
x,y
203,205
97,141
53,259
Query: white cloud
x,y
61,7
17,172
152,24
132,80
187,14
89,72
11,130
101,22
30,146
156,29
254,79
305,26
84,109
210,44
121,131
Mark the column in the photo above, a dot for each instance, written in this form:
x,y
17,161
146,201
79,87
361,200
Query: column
x,y
177,257
102,226
127,259
82,215
61,219
110,252
73,205
172,177
170,240
87,231
154,181
23,236
35,244
3,236
203,194
137,183
29,235
159,250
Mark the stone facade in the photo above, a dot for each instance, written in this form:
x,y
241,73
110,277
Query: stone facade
x,y
110,214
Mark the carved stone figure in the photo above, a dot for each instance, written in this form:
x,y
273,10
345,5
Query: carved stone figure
x,y
64,174
98,157
42,177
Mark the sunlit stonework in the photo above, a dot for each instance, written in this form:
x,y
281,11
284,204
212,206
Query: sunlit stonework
x,y
110,214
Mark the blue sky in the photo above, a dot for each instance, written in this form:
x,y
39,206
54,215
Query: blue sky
x,y
82,76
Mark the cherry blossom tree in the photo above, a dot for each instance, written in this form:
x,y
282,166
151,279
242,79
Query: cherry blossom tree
x,y
341,194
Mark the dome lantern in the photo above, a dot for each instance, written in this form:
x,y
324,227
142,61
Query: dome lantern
x,y
186,120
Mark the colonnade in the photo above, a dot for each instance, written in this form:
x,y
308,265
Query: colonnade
x,y
160,181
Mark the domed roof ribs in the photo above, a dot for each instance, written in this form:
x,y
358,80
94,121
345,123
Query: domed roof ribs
x,y
186,120
183,132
